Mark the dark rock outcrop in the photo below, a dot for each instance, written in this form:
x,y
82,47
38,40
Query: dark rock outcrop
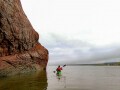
x,y
19,48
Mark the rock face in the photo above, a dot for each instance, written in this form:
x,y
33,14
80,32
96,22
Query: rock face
x,y
20,51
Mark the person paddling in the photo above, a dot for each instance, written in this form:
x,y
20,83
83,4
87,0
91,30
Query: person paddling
x,y
59,69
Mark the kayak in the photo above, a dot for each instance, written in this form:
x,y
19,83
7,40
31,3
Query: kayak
x,y
59,73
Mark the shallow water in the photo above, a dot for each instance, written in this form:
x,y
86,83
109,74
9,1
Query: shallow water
x,y
73,78
36,81
85,78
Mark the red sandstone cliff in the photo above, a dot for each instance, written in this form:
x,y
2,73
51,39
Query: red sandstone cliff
x,y
19,48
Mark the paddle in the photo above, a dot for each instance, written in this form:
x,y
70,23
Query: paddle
x,y
62,66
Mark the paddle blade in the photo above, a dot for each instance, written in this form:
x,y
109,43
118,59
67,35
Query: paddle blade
x,y
64,65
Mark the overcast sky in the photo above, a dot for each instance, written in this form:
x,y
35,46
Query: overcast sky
x,y
77,31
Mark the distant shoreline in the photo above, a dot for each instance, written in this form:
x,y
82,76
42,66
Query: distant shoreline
x,y
104,64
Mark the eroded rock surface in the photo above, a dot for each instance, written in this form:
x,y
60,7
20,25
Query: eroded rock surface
x,y
19,48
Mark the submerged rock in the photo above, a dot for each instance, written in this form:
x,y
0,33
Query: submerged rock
x,y
20,50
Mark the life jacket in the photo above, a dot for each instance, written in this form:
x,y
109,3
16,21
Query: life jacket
x,y
59,69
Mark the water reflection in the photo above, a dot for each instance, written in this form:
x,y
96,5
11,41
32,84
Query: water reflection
x,y
58,76
36,81
61,79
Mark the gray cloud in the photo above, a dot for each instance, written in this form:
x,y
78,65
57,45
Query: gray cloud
x,y
64,50
93,23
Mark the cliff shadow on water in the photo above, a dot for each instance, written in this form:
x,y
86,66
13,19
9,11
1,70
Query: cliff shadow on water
x,y
28,81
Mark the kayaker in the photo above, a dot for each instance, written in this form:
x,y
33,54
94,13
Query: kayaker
x,y
59,69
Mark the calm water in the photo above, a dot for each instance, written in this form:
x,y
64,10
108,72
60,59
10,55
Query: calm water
x,y
73,78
